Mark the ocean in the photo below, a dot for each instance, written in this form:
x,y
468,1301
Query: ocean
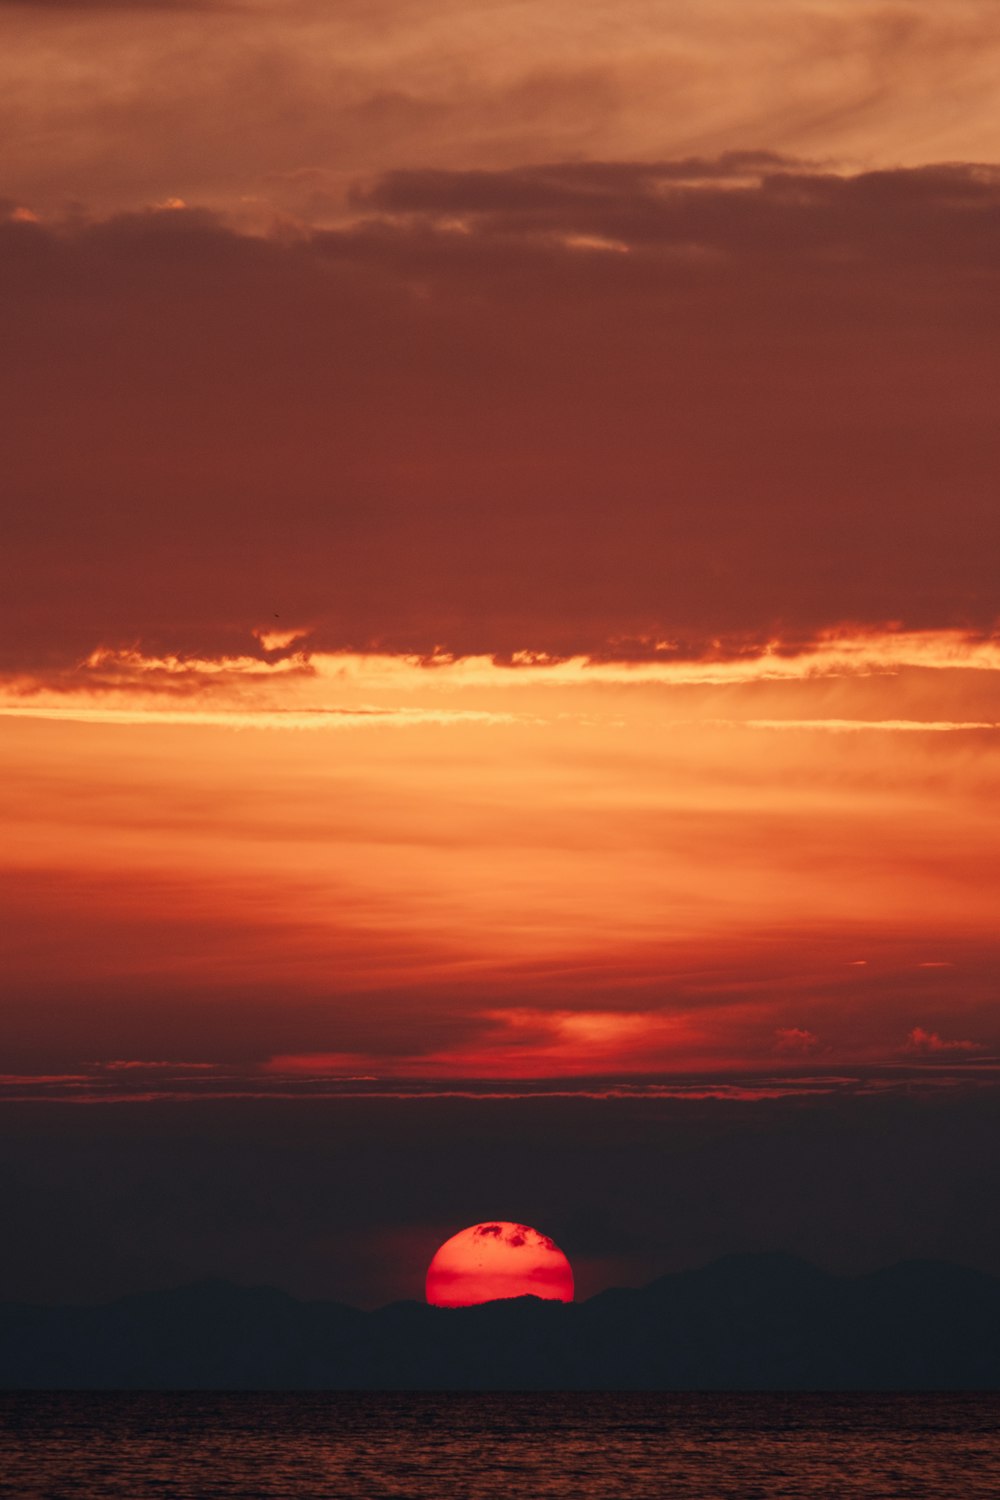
x,y
196,1446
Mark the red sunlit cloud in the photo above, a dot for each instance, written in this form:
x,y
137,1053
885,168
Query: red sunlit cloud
x,y
656,463
922,1041
792,1039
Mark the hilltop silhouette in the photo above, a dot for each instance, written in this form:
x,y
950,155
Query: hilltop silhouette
x,y
748,1322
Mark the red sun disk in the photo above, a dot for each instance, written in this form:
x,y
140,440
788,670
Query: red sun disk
x,y
494,1260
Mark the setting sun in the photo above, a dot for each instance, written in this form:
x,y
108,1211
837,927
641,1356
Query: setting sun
x,y
491,1261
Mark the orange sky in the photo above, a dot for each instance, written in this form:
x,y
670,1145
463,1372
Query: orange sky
x,y
372,865
500,573
268,106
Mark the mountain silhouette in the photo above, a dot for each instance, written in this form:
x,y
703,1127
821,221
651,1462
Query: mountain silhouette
x,y
748,1322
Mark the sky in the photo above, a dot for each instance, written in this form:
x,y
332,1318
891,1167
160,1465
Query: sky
x,y
499,666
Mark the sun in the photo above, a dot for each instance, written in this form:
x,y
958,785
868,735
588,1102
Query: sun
x,y
496,1259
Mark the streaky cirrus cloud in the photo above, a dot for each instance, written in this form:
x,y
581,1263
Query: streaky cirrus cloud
x,y
273,106
322,1076
487,872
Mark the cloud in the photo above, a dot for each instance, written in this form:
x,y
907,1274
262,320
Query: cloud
x,y
523,1043
590,526
690,205
794,1039
267,107
885,726
426,438
316,1077
544,195
280,719
135,7
297,688
929,1042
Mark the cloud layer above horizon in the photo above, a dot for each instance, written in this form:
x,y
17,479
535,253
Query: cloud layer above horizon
x,y
573,409
598,463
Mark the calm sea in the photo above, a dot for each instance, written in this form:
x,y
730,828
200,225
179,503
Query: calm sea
x,y
462,1447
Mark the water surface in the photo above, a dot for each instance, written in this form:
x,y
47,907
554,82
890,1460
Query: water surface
x,y
92,1446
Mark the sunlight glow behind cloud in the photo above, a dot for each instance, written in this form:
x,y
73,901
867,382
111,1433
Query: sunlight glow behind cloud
x,y
548,868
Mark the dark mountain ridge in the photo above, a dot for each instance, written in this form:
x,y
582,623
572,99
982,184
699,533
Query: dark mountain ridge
x,y
748,1322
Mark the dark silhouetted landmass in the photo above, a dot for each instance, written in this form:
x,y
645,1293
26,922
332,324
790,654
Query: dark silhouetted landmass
x,y
750,1322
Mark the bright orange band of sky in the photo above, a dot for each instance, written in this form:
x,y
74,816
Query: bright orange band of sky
x,y
371,866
